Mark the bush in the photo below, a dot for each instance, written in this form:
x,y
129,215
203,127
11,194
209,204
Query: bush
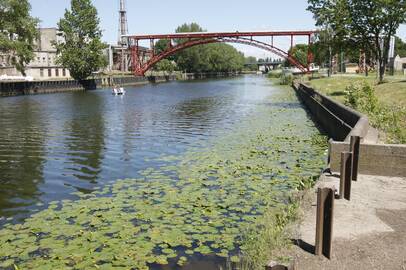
x,y
286,78
362,97
275,74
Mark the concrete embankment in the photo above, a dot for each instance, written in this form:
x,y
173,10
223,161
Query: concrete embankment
x,y
45,87
340,123
368,232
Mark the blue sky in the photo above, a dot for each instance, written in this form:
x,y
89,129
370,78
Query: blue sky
x,y
161,16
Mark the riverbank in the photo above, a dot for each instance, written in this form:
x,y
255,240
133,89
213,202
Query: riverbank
x,y
8,89
17,88
368,230
384,104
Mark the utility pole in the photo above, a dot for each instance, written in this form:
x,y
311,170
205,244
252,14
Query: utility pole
x,y
122,31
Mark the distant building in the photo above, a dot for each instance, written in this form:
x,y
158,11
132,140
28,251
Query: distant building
x,y
399,63
352,68
119,64
43,66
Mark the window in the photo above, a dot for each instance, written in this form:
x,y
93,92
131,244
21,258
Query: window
x,y
64,72
49,72
41,72
57,72
43,59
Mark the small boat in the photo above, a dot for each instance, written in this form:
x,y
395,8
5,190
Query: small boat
x,y
118,91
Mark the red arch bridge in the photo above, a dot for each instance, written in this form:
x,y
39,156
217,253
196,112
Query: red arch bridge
x,y
141,63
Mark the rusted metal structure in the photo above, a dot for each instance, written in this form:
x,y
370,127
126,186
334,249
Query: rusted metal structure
x,y
181,41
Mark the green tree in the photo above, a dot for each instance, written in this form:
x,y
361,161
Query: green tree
x,y
203,58
321,49
250,60
368,24
165,65
376,21
81,50
251,63
299,52
333,17
18,32
193,59
400,47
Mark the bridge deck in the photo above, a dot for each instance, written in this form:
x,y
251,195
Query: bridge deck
x,y
223,34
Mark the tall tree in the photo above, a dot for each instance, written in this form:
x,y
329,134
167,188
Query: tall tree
x,y
333,17
194,59
81,50
251,63
400,47
201,58
18,32
299,52
165,65
376,21
368,24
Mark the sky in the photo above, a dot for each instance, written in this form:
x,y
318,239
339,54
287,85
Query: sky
x,y
162,16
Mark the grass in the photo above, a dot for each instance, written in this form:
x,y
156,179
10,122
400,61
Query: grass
x,y
393,91
391,96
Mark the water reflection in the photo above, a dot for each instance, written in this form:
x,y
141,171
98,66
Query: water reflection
x,y
22,155
84,139
53,145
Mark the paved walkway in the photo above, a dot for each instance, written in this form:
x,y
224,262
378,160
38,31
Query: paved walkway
x,y
369,231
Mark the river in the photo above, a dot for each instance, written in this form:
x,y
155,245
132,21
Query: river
x,y
60,147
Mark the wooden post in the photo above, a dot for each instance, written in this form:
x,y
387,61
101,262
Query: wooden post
x,y
345,175
324,221
354,148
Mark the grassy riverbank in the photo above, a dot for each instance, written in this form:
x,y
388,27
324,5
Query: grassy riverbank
x,y
385,104
233,198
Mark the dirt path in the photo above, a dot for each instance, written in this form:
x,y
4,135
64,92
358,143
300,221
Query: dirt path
x,y
369,231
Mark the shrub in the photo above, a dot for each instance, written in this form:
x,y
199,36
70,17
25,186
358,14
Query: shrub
x,y
275,74
362,97
286,78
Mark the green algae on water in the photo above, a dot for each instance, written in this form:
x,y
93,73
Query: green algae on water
x,y
201,202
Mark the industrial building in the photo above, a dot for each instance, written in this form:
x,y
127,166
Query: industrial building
x,y
43,66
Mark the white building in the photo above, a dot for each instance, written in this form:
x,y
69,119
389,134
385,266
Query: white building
x,y
400,64
43,66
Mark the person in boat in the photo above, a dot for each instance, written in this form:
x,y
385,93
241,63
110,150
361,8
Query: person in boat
x,y
121,90
115,90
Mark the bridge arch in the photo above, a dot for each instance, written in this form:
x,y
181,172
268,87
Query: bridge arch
x,y
140,65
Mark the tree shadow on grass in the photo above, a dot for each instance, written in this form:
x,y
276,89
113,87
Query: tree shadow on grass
x,y
337,93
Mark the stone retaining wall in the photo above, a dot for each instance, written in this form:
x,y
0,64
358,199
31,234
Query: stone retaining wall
x,y
194,76
29,88
340,123
44,87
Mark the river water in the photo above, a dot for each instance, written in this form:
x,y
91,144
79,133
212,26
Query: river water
x,y
61,147
53,145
